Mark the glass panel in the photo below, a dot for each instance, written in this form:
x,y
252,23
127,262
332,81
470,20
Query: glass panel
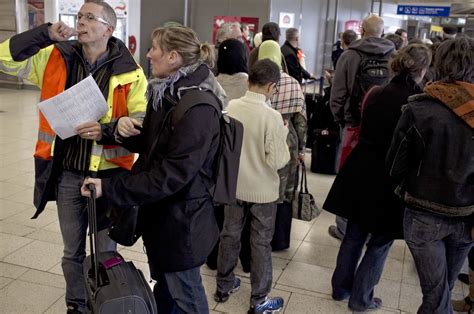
x,y
121,30
69,19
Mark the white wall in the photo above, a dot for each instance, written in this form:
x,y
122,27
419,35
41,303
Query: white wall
x,y
134,20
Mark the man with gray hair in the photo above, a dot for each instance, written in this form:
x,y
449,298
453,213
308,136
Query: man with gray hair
x,y
46,57
229,30
290,51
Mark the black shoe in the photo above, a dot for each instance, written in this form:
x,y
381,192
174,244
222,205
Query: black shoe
x,y
376,304
224,296
333,232
72,308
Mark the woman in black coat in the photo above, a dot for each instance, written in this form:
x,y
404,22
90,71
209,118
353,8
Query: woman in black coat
x,y
169,182
363,192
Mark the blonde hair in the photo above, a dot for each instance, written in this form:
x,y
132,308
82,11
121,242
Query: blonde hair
x,y
184,41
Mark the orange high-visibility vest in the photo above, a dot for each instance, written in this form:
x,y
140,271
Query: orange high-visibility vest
x,y
54,81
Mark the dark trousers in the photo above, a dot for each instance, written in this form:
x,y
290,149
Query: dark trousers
x,y
261,231
180,292
358,282
439,245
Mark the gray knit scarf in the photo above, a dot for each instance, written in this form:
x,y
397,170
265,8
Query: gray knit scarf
x,y
157,87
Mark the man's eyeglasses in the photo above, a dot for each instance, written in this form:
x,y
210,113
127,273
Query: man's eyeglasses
x,y
91,17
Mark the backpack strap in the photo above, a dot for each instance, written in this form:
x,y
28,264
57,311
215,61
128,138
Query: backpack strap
x,y
192,98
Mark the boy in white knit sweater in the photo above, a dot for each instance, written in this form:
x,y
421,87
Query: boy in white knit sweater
x,y
264,151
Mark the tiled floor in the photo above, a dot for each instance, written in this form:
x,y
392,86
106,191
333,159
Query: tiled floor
x,y
30,250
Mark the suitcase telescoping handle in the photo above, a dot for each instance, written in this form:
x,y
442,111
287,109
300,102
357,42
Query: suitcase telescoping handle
x,y
92,215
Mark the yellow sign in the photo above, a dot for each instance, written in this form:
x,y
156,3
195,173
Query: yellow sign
x,y
436,28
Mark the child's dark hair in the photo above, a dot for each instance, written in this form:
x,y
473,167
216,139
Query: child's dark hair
x,y
263,72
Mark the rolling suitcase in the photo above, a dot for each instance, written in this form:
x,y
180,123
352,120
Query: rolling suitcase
x,y
326,137
324,154
113,285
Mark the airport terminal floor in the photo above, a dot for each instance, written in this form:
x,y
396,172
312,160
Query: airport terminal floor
x,y
31,278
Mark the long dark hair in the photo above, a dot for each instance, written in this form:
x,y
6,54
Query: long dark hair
x,y
454,60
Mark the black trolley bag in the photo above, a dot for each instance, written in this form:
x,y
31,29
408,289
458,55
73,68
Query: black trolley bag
x,y
121,287
325,137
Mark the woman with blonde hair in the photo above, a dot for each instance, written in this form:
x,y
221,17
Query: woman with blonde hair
x,y
372,207
170,180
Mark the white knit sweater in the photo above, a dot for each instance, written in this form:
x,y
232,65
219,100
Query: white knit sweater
x,y
264,148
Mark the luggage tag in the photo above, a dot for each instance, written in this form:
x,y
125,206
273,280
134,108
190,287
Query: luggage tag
x,y
114,261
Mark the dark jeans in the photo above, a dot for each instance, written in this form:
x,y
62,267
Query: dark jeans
x,y
73,222
358,282
261,232
439,245
180,292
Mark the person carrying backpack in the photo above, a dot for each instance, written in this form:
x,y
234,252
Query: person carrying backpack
x,y
363,65
264,151
170,181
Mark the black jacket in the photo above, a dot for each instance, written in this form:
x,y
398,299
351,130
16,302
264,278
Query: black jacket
x,y
432,156
363,190
292,63
169,184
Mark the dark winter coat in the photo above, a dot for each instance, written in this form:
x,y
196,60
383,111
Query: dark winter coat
x,y
169,182
293,64
363,191
432,157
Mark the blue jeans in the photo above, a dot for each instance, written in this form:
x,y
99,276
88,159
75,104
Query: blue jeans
x,y
358,283
73,222
439,245
262,227
180,292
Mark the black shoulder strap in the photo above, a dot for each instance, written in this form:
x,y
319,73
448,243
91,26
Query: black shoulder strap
x,y
193,98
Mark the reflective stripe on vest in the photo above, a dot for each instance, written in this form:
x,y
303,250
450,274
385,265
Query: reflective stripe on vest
x,y
54,82
23,73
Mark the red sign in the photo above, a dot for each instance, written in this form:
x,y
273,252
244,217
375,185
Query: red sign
x,y
354,25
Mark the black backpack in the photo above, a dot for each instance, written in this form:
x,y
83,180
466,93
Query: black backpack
x,y
223,184
373,70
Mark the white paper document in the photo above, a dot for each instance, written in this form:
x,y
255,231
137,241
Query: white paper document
x,y
80,103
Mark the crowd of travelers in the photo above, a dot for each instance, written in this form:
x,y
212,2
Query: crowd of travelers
x,y
404,106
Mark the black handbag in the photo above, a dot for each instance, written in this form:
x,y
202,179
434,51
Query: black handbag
x,y
126,225
304,206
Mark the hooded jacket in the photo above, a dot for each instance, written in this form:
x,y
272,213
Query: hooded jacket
x,y
432,154
345,74
168,181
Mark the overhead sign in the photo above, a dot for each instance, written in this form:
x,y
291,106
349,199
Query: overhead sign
x,y
423,10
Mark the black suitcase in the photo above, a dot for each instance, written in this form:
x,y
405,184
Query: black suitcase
x,y
325,139
324,154
121,287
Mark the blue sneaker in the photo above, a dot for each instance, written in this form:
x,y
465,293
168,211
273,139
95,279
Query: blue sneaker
x,y
270,305
224,296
